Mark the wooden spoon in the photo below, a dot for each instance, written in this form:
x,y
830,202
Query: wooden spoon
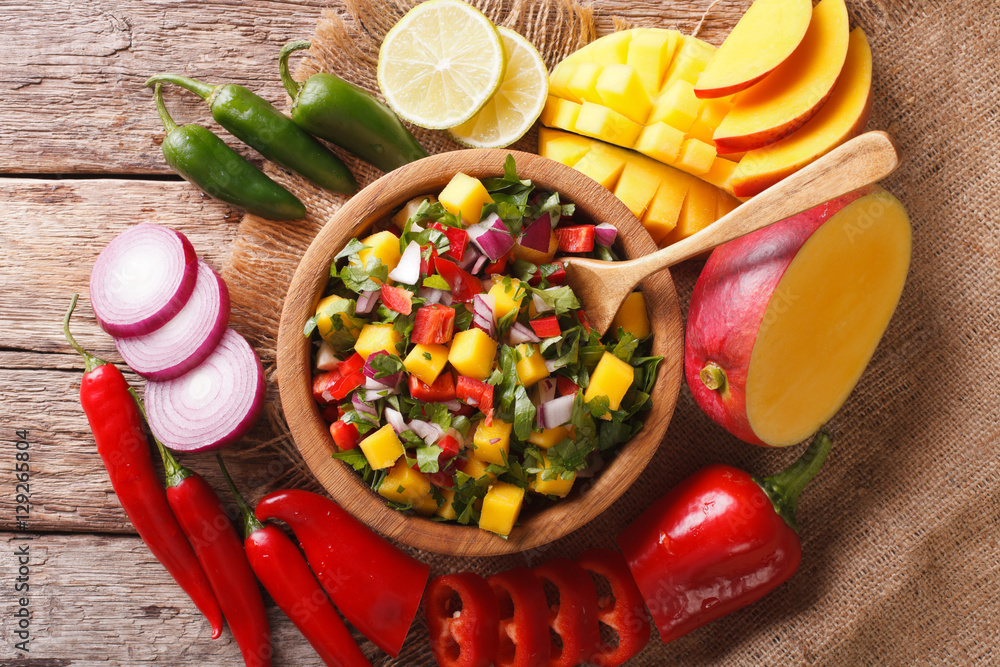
x,y
603,286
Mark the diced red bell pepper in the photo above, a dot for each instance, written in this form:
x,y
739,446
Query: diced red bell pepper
x,y
524,619
463,285
497,267
345,435
579,238
465,411
433,324
449,448
428,254
458,240
476,393
557,277
575,619
445,476
465,636
565,386
624,611
584,321
441,391
546,327
353,363
348,384
324,385
398,299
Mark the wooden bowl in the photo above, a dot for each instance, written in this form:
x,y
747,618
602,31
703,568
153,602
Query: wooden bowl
x,y
311,433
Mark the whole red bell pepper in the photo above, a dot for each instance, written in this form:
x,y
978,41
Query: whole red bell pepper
x,y
718,541
375,585
524,619
433,324
283,571
463,285
624,611
466,635
575,619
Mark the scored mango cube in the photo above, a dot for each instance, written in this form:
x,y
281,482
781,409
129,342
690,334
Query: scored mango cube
x,y
384,246
607,125
620,89
583,84
382,448
697,213
426,361
447,510
663,212
506,299
492,443
696,157
720,174
603,165
632,317
324,320
476,468
404,485
611,49
472,353
377,337
660,141
501,506
465,196
637,185
550,437
559,79
611,378
564,148
551,487
560,113
677,106
650,53
690,61
530,364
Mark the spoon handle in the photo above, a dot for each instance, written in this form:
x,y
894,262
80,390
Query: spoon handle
x,y
859,162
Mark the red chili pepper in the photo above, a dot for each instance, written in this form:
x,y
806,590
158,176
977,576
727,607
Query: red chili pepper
x,y
465,636
458,240
375,585
498,266
397,298
579,238
565,386
718,541
433,324
463,285
477,393
286,576
441,391
122,444
574,620
345,436
546,327
524,619
624,611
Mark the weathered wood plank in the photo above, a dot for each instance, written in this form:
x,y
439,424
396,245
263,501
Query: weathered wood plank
x,y
74,71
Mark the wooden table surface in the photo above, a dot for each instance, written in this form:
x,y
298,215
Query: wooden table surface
x,y
80,162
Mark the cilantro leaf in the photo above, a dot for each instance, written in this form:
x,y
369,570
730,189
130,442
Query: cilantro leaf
x,y
427,458
561,299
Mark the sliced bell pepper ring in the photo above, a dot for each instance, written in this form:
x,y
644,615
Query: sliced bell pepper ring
x,y
524,619
565,386
433,324
466,636
458,240
463,285
579,238
574,620
441,391
624,611
398,299
546,327
345,435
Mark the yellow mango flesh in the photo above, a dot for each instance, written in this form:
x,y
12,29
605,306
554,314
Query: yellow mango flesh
x,y
403,484
465,196
562,147
660,141
447,510
492,443
506,299
665,208
426,506
551,487
844,115
607,125
426,361
611,378
382,448
324,321
560,113
620,88
531,365
475,468
696,157
501,506
583,83
690,61
472,353
795,91
811,351
632,317
699,211
603,165
767,34
650,53
637,186
549,437
384,246
377,337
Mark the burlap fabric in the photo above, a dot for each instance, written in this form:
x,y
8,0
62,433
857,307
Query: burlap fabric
x,y
900,532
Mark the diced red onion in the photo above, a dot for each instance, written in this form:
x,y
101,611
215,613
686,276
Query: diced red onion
x,y
453,406
390,381
605,234
430,295
520,333
446,298
396,420
372,395
212,405
546,390
407,271
428,431
491,236
538,234
540,305
469,259
187,338
367,302
326,358
142,279
551,365
484,313
368,410
556,412
480,263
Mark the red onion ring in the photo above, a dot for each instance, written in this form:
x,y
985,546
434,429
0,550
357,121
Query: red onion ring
x,y
142,279
212,405
188,338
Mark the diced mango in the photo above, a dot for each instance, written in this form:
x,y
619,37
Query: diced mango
x,y
426,362
660,141
475,468
721,174
698,211
403,484
690,61
501,507
376,337
650,53
447,510
426,506
472,353
663,212
549,437
713,111
409,210
632,317
620,89
382,448
607,125
583,84
560,113
531,365
564,148
702,131
465,196
384,246
676,106
559,79
611,48
552,487
492,442
696,157
602,165
637,185
506,299
324,320
611,378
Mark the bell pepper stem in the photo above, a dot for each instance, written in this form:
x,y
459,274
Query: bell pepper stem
x,y
291,85
251,524
173,471
168,123
91,362
785,487
199,88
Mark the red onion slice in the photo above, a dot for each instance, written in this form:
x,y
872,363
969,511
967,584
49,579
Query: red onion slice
x,y
367,302
326,358
188,338
605,234
430,295
484,313
396,420
142,279
537,235
519,333
556,412
546,390
491,236
212,405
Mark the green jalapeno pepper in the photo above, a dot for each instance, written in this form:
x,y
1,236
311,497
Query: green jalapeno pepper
x,y
205,160
348,116
258,124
